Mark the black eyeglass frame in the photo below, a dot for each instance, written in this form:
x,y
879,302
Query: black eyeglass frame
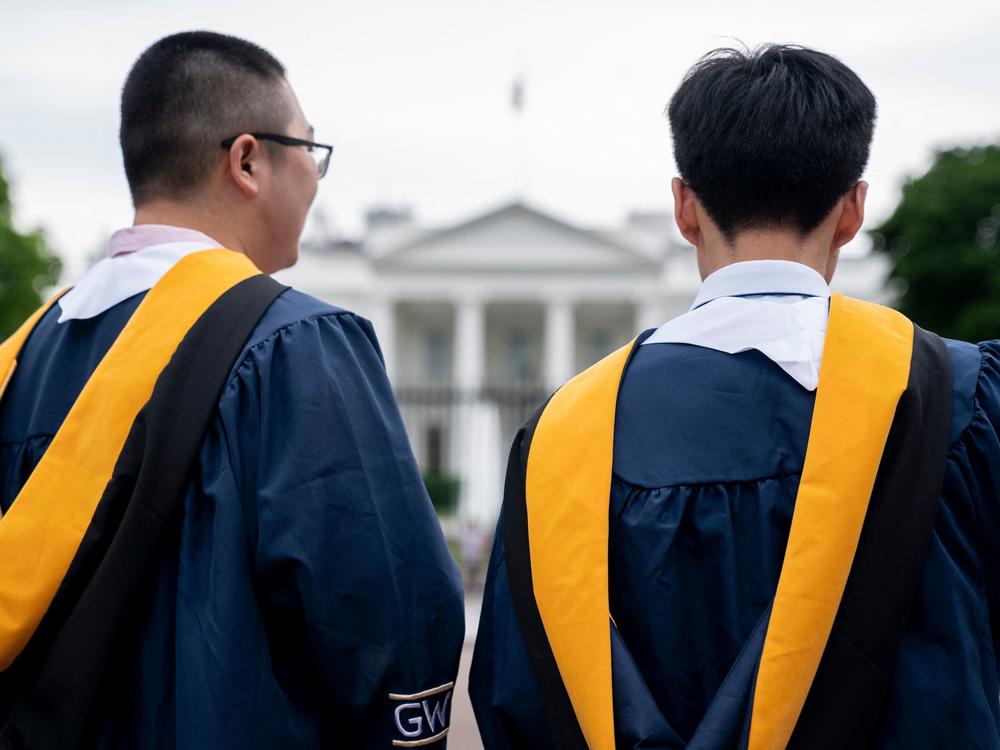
x,y
287,140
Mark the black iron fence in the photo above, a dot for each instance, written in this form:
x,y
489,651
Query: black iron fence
x,y
438,422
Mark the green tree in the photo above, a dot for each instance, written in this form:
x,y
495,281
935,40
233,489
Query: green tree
x,y
943,240
27,267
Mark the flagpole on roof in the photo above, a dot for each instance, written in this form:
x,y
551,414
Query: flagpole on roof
x,y
521,148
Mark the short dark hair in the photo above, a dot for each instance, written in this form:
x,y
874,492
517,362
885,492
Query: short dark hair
x,y
183,96
771,137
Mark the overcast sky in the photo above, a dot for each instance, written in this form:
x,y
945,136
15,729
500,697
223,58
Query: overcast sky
x,y
416,96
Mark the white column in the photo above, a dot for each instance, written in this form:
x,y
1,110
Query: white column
x,y
470,344
477,448
383,318
560,342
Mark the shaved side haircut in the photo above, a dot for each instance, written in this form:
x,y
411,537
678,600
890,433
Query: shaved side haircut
x,y
183,96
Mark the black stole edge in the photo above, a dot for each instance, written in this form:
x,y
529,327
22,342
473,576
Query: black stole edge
x,y
51,695
844,707
563,724
564,727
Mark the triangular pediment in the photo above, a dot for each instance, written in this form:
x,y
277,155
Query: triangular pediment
x,y
513,238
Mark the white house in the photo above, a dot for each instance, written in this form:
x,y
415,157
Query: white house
x,y
480,320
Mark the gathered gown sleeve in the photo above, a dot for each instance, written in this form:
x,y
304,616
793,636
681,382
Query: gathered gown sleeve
x,y
358,592
975,464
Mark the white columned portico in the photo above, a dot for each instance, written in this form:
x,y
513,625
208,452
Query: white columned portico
x,y
383,317
560,342
470,344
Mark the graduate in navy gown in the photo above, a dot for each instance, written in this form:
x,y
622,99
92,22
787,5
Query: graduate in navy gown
x,y
285,586
775,520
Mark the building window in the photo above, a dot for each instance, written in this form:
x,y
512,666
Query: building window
x,y
519,364
435,448
436,357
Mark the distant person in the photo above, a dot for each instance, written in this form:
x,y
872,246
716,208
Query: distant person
x,y
475,548
775,520
214,533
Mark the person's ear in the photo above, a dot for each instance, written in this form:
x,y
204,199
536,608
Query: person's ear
x,y
852,215
685,211
243,164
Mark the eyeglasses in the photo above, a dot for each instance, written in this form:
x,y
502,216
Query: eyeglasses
x,y
320,151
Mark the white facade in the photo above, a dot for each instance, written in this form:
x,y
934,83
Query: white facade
x,y
480,320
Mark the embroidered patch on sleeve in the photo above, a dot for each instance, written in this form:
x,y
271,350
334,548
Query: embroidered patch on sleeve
x,y
421,718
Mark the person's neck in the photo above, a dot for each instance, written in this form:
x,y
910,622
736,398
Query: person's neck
x,y
814,252
185,215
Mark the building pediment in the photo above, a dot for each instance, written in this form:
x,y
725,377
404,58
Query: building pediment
x,y
513,238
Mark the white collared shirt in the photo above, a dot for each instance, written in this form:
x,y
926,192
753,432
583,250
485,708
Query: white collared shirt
x,y
126,273
778,307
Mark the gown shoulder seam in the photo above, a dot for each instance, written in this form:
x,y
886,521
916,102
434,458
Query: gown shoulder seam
x,y
269,339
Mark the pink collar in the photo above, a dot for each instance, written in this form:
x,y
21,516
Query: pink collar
x,y
129,240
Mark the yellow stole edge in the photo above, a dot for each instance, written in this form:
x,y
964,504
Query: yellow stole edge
x,y
42,531
865,369
567,486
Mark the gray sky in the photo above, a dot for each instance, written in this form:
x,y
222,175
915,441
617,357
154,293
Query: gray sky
x,y
416,95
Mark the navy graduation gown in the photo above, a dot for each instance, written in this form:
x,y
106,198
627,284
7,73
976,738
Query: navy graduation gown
x,y
708,453
310,580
